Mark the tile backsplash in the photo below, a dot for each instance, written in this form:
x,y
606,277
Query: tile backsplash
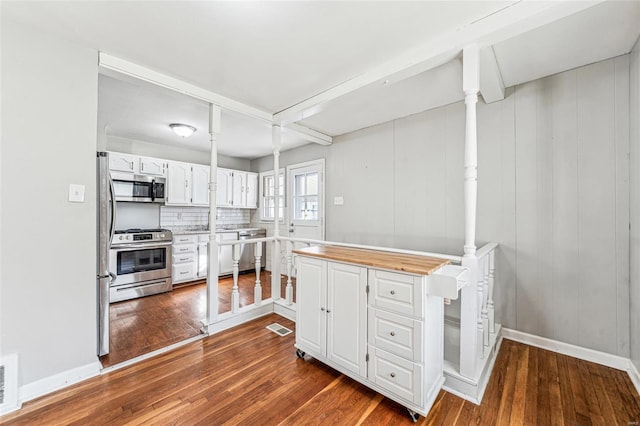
x,y
198,217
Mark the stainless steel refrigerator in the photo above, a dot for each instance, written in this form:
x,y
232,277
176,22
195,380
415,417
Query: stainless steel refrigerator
x,y
106,228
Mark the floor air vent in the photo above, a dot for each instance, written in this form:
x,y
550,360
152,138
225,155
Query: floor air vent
x,y
8,384
278,329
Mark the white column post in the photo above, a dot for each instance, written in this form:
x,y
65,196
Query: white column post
x,y
469,300
289,287
257,291
213,266
235,292
276,136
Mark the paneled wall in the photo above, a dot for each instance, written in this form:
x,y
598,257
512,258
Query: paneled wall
x,y
634,114
553,191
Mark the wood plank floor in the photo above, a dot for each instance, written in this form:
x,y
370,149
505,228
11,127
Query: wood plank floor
x,y
250,376
143,325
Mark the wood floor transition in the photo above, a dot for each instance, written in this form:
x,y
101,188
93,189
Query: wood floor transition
x,y
250,376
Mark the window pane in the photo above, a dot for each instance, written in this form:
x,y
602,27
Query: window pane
x,y
311,205
268,186
299,185
312,184
299,208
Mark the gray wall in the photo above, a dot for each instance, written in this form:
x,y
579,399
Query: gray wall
x,y
131,146
48,264
553,192
635,204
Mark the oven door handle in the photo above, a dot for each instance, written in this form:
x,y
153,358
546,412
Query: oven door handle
x,y
140,246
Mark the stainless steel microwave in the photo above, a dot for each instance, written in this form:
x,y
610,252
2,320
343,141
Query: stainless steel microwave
x,y
138,188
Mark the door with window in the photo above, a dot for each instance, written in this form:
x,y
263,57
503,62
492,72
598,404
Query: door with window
x,y
305,200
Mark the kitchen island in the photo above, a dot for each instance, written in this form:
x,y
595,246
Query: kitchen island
x,y
377,317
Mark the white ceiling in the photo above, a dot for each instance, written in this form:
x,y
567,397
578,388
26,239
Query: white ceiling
x,y
274,55
133,109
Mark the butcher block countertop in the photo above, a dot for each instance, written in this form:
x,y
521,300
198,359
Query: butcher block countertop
x,y
411,263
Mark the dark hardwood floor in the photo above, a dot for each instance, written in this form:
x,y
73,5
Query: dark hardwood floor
x,y
250,376
143,325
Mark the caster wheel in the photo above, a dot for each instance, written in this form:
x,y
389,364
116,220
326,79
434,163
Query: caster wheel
x,y
413,415
299,353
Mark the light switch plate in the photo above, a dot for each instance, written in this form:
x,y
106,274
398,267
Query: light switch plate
x,y
76,193
338,201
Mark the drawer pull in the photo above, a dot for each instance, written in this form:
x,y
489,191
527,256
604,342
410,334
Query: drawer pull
x,y
184,272
393,333
392,292
392,375
184,258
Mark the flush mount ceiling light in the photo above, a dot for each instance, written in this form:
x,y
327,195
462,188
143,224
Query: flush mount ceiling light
x,y
183,130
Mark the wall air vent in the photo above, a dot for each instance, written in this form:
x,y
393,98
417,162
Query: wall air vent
x,y
9,384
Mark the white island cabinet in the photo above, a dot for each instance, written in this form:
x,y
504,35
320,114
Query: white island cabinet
x,y
374,316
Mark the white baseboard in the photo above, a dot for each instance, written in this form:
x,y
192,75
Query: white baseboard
x,y
58,381
228,320
289,312
603,358
634,375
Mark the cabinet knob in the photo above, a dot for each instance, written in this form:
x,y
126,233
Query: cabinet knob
x,y
322,309
328,311
393,333
393,375
392,292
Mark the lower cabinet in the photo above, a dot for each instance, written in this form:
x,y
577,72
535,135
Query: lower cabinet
x,y
190,259
377,326
183,262
332,312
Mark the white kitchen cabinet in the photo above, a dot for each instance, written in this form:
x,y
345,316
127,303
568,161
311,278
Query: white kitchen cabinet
x,y
183,258
237,189
224,194
331,309
200,186
252,190
203,255
371,317
179,189
153,166
119,162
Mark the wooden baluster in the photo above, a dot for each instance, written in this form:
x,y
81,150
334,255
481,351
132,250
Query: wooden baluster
x,y
492,322
257,291
235,293
485,301
480,288
289,287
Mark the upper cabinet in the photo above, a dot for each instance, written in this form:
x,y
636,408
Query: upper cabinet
x,y
179,189
128,163
153,166
200,185
237,189
119,162
224,194
188,184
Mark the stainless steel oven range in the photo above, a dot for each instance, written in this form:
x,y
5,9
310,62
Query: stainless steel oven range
x,y
140,259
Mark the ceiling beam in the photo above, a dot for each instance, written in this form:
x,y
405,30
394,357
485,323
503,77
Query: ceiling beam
x,y
122,66
491,84
310,134
515,19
